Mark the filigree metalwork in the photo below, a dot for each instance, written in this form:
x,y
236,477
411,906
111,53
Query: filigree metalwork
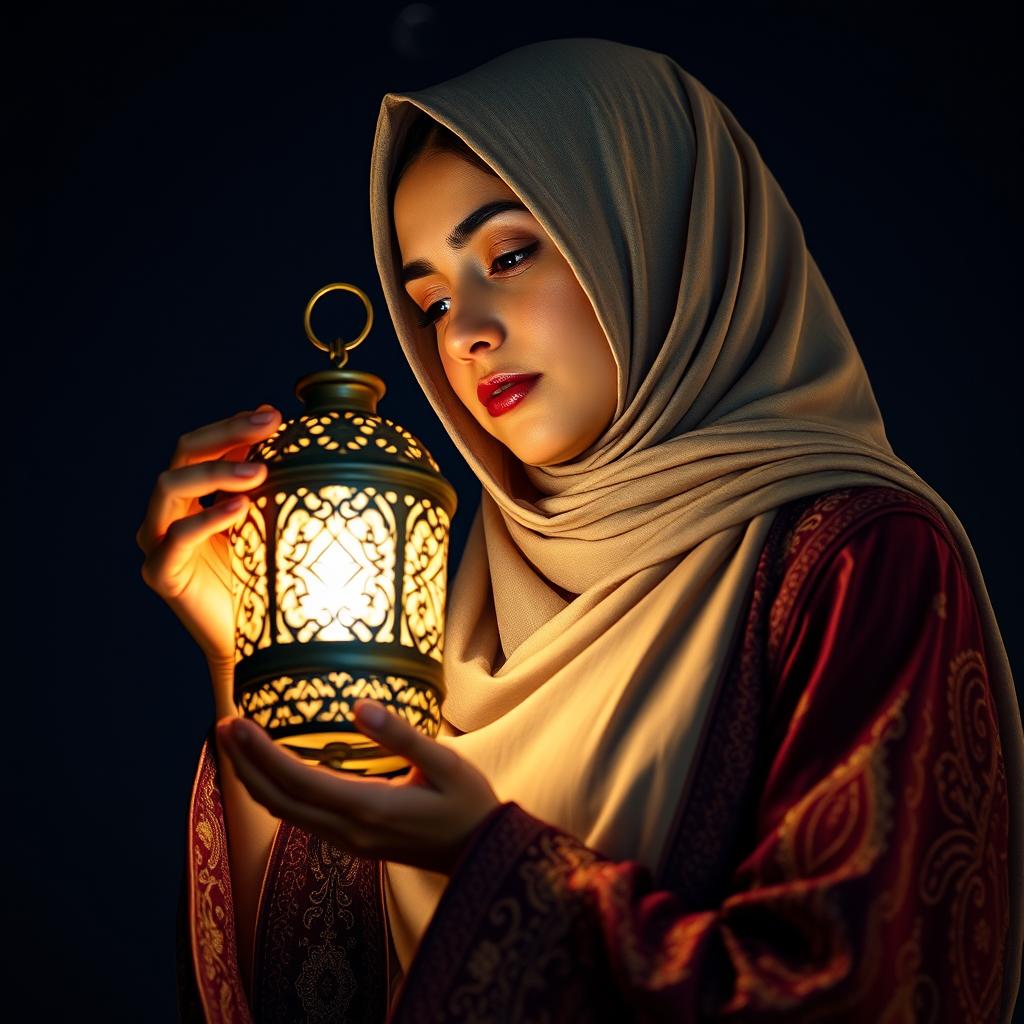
x,y
249,582
335,565
345,433
426,561
286,705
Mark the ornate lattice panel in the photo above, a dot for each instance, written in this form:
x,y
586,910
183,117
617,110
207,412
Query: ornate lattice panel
x,y
335,565
282,704
426,558
249,582
347,433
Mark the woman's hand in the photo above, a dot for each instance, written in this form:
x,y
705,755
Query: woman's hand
x,y
423,818
187,558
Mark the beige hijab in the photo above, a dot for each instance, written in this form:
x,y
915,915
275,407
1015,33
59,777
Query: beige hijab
x,y
739,390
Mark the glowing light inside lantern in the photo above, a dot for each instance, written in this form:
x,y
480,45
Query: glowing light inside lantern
x,y
335,565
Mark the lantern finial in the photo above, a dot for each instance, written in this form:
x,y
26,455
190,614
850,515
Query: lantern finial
x,y
338,349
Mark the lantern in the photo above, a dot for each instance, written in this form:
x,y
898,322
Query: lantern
x,y
339,571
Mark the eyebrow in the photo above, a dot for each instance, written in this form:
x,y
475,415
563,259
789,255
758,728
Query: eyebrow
x,y
461,234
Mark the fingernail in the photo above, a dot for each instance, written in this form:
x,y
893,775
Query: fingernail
x,y
239,733
372,715
246,468
262,417
233,505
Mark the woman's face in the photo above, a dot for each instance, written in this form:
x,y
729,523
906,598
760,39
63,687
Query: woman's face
x,y
503,299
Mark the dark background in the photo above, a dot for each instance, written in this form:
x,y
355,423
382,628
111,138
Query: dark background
x,y
183,180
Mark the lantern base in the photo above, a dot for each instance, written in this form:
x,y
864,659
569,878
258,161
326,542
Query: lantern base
x,y
345,752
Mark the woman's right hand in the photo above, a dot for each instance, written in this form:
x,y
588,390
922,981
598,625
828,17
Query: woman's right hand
x,y
187,556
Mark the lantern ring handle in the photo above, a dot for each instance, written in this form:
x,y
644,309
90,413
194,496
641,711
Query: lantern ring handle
x,y
338,349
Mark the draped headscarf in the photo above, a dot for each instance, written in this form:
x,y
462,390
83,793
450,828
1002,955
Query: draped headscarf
x,y
590,622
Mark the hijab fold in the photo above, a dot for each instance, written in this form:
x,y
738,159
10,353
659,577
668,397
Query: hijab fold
x,y
593,613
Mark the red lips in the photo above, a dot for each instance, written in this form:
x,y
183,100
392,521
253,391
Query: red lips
x,y
514,393
486,386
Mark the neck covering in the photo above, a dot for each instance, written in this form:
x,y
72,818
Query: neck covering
x,y
591,620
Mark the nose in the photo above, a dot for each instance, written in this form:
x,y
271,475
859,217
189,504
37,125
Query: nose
x,y
473,328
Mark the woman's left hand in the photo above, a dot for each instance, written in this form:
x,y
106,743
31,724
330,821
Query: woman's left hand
x,y
422,818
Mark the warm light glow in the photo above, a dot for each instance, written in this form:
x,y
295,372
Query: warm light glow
x,y
426,572
339,586
335,566
249,586
330,697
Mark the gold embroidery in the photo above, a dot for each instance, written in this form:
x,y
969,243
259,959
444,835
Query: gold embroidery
x,y
916,998
540,920
613,891
837,829
918,989
484,961
321,956
815,532
212,920
492,963
843,820
768,977
959,868
807,523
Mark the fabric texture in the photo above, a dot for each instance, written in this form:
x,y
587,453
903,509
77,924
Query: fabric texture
x,y
739,389
862,886
812,814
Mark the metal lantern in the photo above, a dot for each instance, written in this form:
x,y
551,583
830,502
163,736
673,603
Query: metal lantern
x,y
339,571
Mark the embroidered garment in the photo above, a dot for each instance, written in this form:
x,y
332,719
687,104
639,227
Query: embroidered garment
x,y
839,855
598,600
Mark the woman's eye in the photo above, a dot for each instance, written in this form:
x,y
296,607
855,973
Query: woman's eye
x,y
427,317
431,314
525,253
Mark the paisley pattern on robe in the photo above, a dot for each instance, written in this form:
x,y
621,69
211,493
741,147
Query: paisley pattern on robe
x,y
840,855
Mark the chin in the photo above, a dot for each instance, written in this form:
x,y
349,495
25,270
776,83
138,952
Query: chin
x,y
546,461
538,456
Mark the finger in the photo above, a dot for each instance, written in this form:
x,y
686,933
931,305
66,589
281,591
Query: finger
x,y
440,764
176,492
165,564
231,438
266,787
307,784
214,439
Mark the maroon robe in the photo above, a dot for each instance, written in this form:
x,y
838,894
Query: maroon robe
x,y
840,853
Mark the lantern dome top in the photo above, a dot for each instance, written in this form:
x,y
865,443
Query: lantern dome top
x,y
352,435
340,419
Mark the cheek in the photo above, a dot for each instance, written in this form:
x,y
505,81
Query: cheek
x,y
448,366
449,371
589,356
604,380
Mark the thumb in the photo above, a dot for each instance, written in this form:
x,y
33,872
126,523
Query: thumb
x,y
438,763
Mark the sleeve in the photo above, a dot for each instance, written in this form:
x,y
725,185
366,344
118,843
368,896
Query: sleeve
x,y
874,884
209,982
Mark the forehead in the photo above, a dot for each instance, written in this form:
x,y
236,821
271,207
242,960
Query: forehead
x,y
436,191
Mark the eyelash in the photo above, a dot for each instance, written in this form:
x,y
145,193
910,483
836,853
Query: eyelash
x,y
426,317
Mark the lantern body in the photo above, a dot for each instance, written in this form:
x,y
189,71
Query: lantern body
x,y
339,577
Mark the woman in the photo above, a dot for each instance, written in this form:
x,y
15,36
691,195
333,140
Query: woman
x,y
730,729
